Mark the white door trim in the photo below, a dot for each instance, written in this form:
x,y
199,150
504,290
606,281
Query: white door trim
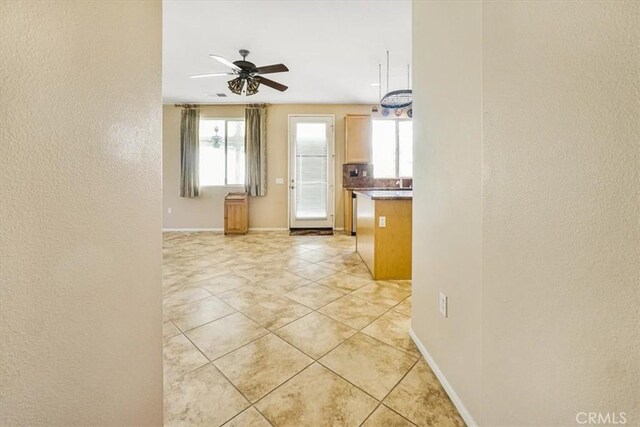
x,y
332,166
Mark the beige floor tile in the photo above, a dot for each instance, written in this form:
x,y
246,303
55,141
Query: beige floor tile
x,y
420,398
245,296
345,282
201,398
169,329
295,250
224,335
404,307
313,256
225,282
343,262
249,418
317,397
382,293
184,295
179,357
312,271
385,417
315,334
276,311
283,282
360,271
206,274
259,367
353,312
369,364
393,329
194,314
314,296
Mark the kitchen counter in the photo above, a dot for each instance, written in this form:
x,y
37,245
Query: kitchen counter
x,y
388,194
383,237
378,188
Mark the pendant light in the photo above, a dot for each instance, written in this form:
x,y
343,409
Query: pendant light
x,y
396,99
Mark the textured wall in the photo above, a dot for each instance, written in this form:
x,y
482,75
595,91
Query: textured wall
x,y
561,238
447,202
269,211
80,219
558,173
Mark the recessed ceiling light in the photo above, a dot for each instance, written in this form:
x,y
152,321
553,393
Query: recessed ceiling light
x,y
375,84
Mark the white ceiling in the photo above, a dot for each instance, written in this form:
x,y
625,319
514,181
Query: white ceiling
x,y
332,48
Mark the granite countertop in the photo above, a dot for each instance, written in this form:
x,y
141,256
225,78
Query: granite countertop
x,y
390,194
377,188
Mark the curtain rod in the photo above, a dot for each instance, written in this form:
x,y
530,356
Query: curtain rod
x,y
218,105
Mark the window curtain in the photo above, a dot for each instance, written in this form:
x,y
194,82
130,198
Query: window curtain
x,y
189,152
256,150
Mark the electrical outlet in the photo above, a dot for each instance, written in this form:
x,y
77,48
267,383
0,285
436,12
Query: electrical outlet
x,y
279,180
382,221
169,211
364,174
443,305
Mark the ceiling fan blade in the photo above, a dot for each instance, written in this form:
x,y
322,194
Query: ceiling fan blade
x,y
271,83
198,76
225,62
275,68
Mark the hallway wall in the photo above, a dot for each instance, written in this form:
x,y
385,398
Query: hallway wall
x,y
80,222
531,106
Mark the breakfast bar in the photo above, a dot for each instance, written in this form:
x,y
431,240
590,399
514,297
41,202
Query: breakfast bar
x,y
383,239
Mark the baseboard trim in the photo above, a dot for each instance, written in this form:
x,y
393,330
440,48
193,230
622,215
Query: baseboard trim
x,y
193,229
464,413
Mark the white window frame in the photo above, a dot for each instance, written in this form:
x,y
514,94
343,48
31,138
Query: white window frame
x,y
396,120
226,159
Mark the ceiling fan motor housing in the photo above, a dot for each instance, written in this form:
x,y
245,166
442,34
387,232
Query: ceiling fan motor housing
x,y
247,68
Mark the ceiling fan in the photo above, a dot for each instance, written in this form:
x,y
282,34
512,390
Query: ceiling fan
x,y
249,77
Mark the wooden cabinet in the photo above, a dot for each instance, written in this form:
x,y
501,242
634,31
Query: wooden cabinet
x,y
357,138
348,211
386,251
236,213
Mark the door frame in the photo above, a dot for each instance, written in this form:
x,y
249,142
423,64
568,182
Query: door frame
x,y
332,166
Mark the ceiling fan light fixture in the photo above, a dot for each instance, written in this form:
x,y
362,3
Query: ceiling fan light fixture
x,y
236,85
252,87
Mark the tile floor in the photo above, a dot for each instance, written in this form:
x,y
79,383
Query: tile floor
x,y
269,329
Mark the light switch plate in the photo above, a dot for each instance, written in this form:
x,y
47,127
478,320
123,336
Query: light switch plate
x,y
443,304
169,211
279,180
382,221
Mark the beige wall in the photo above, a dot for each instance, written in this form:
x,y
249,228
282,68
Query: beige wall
x,y
447,204
269,211
80,218
525,117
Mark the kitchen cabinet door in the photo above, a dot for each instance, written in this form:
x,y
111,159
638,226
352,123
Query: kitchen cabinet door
x,y
357,138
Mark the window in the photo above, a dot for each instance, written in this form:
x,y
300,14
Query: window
x,y
392,147
221,152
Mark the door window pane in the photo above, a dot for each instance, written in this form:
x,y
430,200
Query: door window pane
x,y
383,146
405,148
311,171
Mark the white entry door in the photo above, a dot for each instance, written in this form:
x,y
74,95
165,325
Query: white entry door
x,y
311,170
